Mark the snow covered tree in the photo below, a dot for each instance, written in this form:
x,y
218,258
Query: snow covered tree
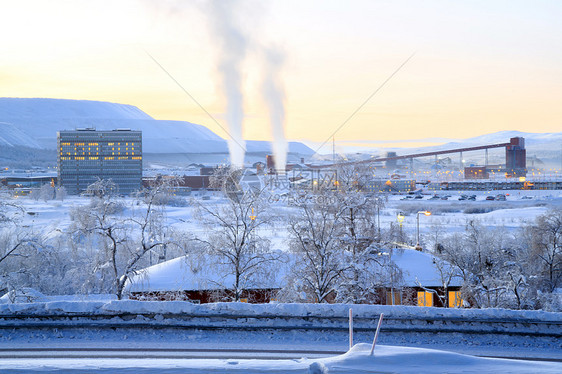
x,y
316,230
100,219
47,192
126,241
60,193
545,237
19,245
150,234
362,241
486,260
234,241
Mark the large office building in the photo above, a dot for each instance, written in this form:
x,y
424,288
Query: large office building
x,y
84,155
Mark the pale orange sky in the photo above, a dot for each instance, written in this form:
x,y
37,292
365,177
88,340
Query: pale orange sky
x,y
480,66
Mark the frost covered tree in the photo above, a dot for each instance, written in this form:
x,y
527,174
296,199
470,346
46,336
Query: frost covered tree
x,y
19,245
47,192
545,241
60,193
316,231
235,242
150,234
487,262
101,221
337,239
361,240
123,242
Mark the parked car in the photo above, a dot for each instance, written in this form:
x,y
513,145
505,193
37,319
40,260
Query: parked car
x,y
490,197
500,197
472,198
434,197
418,197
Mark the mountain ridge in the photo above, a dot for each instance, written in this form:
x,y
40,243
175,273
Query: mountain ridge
x,y
34,122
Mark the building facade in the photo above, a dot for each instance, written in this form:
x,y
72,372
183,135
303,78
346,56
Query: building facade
x,y
84,155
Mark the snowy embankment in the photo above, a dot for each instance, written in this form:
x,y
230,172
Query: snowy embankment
x,y
116,307
67,332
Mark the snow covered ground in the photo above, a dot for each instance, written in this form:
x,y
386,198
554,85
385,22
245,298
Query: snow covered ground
x,y
386,359
521,207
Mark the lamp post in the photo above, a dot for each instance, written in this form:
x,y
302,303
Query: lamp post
x,y
426,213
400,218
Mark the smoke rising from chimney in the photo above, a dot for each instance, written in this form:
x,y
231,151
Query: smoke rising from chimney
x,y
232,49
274,96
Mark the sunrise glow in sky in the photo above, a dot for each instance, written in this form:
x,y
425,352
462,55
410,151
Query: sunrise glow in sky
x,y
479,66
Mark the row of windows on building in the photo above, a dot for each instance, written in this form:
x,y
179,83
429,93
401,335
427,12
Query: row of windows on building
x,y
95,144
107,158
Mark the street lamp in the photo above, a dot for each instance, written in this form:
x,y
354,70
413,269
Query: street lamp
x,y
400,218
426,213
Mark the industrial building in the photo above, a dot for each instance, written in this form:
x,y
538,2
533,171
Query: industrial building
x,y
84,155
515,158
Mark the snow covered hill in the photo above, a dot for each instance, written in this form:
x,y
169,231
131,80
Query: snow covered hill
x,y
34,123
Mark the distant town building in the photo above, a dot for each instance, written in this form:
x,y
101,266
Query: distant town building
x,y
84,155
476,172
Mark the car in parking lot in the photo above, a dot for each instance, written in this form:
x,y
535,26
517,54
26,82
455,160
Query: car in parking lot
x,y
500,197
490,197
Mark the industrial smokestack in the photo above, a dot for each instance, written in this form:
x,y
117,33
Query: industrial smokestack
x,y
232,49
274,96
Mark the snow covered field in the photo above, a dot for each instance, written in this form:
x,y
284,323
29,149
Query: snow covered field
x,y
447,216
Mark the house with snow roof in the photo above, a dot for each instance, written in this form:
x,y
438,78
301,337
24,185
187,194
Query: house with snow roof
x,y
191,278
423,280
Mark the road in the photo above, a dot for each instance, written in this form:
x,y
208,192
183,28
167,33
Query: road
x,y
184,353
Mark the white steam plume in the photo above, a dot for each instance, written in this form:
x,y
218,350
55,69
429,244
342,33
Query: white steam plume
x,y
232,50
274,96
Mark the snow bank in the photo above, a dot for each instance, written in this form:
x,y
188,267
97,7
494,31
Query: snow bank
x,y
390,359
275,309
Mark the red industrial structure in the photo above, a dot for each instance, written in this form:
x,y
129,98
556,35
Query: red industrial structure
x,y
516,157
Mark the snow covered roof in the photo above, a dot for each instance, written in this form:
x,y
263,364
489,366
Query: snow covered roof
x,y
419,266
191,273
